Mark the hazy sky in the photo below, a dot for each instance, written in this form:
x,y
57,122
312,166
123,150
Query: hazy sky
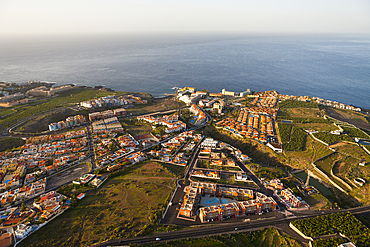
x,y
97,16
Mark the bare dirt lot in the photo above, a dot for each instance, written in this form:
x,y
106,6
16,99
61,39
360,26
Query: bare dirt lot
x,y
355,118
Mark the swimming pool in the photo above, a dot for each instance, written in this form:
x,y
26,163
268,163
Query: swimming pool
x,y
212,201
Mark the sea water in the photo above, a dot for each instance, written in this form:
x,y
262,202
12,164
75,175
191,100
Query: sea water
x,y
334,67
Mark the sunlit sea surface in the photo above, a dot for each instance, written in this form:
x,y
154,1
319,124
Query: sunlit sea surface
x,y
333,67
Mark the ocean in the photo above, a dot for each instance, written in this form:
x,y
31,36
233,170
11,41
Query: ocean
x,y
334,67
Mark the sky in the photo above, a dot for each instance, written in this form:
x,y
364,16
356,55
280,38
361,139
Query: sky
x,y
187,16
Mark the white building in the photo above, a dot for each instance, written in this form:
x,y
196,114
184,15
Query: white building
x,y
276,147
22,231
241,177
209,143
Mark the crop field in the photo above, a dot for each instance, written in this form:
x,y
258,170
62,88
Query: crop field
x,y
297,104
127,205
297,140
334,241
355,151
355,132
5,111
329,138
317,126
284,132
344,223
269,237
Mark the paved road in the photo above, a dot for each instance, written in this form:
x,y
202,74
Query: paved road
x,y
66,177
91,147
226,228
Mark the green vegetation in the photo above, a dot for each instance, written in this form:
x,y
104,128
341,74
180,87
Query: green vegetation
x,y
330,138
291,183
284,132
268,172
127,205
296,104
6,111
269,237
354,132
297,140
303,120
293,138
341,167
344,223
334,241
7,143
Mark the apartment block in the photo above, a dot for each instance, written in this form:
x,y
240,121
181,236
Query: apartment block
x,y
295,201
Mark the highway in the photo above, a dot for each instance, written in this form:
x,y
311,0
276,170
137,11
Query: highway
x,y
226,228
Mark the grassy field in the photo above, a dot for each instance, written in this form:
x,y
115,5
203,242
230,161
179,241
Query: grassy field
x,y
155,105
10,142
326,163
127,205
135,127
317,202
42,122
175,170
269,237
301,112
359,171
